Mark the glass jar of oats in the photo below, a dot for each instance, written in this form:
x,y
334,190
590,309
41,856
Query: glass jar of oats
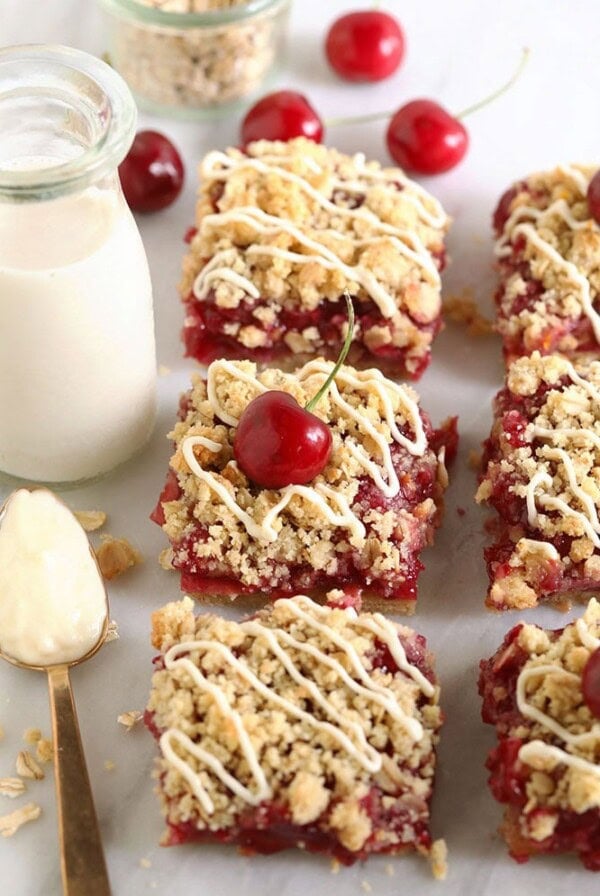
x,y
194,57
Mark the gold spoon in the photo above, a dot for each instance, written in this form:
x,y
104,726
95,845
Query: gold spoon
x,y
82,862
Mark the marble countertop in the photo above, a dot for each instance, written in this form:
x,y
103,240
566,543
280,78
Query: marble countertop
x,y
457,52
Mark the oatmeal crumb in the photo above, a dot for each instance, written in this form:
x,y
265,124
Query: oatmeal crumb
x,y
366,886
130,719
12,787
109,765
1,733
44,750
163,370
27,766
145,862
90,520
32,735
462,309
390,870
439,859
115,556
112,632
10,824
335,866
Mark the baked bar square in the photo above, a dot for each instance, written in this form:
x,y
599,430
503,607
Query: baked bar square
x,y
541,473
361,523
541,690
283,230
304,726
548,251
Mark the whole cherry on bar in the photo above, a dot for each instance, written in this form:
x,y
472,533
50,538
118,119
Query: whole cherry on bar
x,y
590,683
367,45
593,197
151,173
277,442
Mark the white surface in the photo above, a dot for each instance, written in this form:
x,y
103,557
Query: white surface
x,y
456,52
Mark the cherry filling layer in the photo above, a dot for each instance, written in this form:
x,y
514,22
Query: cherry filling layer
x,y
269,828
207,333
418,482
508,778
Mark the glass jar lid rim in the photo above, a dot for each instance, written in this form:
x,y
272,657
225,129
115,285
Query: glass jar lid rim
x,y
155,16
94,161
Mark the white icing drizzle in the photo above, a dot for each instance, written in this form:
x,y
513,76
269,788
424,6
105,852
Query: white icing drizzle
x,y
348,734
531,546
541,479
270,225
220,166
321,495
384,475
515,226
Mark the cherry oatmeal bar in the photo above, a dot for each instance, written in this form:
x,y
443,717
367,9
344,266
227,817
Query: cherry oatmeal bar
x,y
541,690
304,726
548,250
362,522
541,473
283,230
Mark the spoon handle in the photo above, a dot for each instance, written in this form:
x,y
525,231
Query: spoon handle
x,y
82,859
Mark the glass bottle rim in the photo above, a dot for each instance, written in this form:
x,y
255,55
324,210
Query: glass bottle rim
x,y
157,17
104,97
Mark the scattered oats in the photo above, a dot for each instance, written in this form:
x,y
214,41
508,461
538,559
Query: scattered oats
x,y
153,885
109,765
91,519
32,735
475,459
12,787
390,870
439,859
115,556
27,767
112,631
462,309
335,866
130,719
145,862
44,750
163,370
10,824
1,732
366,886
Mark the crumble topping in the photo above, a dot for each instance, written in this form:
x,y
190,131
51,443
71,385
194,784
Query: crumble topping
x,y
295,224
273,719
12,787
28,767
90,519
10,824
371,421
554,469
115,556
557,725
549,213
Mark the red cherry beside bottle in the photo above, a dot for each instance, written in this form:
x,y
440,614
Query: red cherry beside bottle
x,y
151,173
368,45
279,443
281,115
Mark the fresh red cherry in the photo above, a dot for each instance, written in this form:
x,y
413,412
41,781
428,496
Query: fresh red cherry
x,y
365,46
279,443
593,197
282,115
423,137
590,683
151,173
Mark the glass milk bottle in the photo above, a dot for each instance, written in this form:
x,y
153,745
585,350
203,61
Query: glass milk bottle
x,y
77,354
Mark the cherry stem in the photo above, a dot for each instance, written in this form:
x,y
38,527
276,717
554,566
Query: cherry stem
x,y
497,93
311,405
377,116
